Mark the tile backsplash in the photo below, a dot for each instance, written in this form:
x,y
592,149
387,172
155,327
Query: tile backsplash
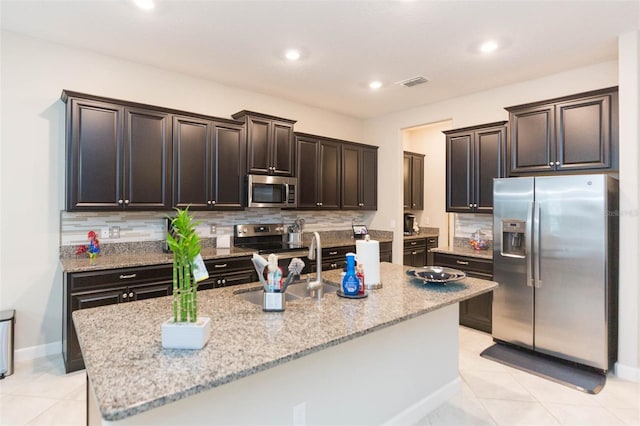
x,y
465,225
150,226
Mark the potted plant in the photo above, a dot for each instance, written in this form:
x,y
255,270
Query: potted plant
x,y
185,330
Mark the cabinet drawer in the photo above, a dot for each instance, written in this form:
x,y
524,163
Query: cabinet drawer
x,y
432,242
336,252
79,281
409,244
483,268
222,266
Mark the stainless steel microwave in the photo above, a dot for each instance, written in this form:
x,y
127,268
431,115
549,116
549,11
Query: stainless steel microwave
x,y
272,191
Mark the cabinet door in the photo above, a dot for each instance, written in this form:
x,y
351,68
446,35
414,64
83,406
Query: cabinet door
x,y
192,163
533,142
406,181
369,179
283,149
350,177
489,145
308,161
584,134
150,291
459,172
91,299
94,155
147,160
227,171
329,178
476,312
258,151
417,182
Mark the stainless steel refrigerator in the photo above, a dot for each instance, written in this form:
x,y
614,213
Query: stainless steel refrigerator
x,y
555,259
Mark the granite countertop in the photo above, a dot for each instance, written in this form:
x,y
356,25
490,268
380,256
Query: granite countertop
x,y
148,258
131,373
421,235
465,251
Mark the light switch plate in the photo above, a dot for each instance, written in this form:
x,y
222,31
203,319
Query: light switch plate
x,y
114,232
212,229
104,232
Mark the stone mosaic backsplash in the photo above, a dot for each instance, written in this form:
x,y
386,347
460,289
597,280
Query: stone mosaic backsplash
x,y
139,227
465,225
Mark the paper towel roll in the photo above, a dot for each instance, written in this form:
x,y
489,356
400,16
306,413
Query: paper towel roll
x,y
368,253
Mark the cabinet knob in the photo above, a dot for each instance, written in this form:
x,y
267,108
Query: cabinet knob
x,y
475,205
124,295
120,202
320,204
131,294
414,252
551,163
126,202
413,204
219,282
224,281
471,205
213,203
557,163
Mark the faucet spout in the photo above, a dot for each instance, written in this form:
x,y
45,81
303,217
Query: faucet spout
x,y
317,284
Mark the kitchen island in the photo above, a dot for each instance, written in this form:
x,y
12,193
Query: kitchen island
x,y
390,357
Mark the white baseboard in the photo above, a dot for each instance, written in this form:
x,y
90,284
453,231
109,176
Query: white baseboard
x,y
38,351
417,411
627,373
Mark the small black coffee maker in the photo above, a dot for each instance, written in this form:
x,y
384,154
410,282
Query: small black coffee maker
x,y
409,220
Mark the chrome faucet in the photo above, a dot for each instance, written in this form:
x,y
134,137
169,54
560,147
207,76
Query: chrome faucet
x,y
317,284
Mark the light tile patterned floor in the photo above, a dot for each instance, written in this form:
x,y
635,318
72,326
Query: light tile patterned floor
x,y
39,393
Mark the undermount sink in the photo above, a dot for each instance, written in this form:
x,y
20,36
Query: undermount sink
x,y
294,292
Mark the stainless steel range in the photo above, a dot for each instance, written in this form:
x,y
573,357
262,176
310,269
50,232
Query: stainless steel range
x,y
264,238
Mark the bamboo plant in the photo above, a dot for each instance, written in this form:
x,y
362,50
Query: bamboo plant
x,y
185,245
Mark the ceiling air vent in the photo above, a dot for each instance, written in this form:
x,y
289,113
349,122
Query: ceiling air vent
x,y
414,81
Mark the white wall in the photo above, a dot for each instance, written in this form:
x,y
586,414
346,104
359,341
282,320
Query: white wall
x,y
488,106
629,71
430,140
32,153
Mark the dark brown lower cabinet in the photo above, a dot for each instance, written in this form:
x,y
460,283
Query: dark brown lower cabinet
x,y
415,252
84,290
474,312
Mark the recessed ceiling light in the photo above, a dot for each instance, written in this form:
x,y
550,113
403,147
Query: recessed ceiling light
x,y
144,4
488,46
375,85
292,54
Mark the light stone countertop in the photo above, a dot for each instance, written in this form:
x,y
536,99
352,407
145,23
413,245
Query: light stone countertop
x,y
131,373
465,251
148,258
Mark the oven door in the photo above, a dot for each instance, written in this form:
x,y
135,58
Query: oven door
x,y
271,191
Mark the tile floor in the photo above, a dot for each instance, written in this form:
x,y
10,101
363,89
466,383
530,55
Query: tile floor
x,y
39,393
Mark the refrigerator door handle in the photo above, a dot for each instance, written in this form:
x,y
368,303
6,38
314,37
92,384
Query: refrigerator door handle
x,y
528,242
536,246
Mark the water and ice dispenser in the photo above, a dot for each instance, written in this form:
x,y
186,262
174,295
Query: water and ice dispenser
x,y
513,238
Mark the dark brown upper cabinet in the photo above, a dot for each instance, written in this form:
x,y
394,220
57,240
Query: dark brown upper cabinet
x,y
573,133
413,164
474,158
359,177
118,156
208,164
319,170
270,143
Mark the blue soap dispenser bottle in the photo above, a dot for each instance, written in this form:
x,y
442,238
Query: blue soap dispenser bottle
x,y
350,282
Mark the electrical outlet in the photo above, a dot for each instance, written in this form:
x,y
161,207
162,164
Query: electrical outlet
x,y
300,414
104,233
212,229
114,232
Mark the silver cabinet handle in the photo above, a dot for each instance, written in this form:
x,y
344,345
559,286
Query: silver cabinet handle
x,y
209,202
131,294
124,295
222,265
471,205
320,204
127,277
475,205
333,252
432,240
224,281
557,163
414,252
120,201
461,262
213,203
126,202
413,243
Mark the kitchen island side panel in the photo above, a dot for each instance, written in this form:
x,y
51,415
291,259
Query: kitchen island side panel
x,y
395,375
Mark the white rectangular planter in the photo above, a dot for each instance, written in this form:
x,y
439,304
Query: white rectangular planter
x,y
186,335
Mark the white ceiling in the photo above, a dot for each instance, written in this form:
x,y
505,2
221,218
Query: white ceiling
x,y
345,44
